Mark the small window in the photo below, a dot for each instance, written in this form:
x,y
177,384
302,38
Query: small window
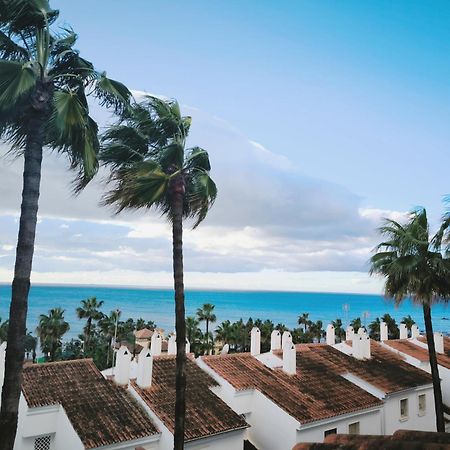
x,y
404,408
353,428
422,404
42,442
328,432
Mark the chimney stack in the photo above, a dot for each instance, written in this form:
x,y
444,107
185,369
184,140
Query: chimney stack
x,y
172,347
289,359
275,340
349,333
225,349
188,346
156,343
384,336
361,331
439,342
255,341
286,339
331,336
403,331
361,346
122,368
415,333
2,363
145,368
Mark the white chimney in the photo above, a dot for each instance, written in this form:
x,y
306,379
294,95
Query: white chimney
x,y
286,339
188,346
361,331
255,341
289,359
384,336
415,333
439,342
2,363
172,347
156,343
331,335
403,331
122,368
349,333
145,368
225,349
275,340
361,346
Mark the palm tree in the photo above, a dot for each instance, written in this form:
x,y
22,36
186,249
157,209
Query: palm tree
x,y
356,324
304,320
374,329
338,329
44,84
90,310
408,321
50,330
206,314
151,168
108,326
393,330
414,265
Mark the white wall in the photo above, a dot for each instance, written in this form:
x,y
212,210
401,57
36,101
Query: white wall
x,y
233,440
392,419
369,423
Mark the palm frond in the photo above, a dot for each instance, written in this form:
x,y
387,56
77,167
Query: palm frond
x,y
111,93
16,80
10,50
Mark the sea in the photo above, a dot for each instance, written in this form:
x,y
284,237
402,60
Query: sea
x,y
158,305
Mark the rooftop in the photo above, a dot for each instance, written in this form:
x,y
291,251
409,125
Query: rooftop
x,y
145,333
415,351
307,396
100,412
206,414
385,369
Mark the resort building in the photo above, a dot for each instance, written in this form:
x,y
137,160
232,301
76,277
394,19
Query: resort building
x,y
309,391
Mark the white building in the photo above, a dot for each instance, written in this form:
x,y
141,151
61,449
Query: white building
x,y
308,391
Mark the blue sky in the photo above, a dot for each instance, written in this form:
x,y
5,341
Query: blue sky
x,y
321,117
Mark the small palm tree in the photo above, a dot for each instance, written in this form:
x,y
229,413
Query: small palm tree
x,y
393,330
356,324
414,265
150,168
408,321
90,310
206,314
193,332
338,329
374,329
50,330
108,326
304,320
44,84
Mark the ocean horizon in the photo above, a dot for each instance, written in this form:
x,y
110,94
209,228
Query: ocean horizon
x,y
157,304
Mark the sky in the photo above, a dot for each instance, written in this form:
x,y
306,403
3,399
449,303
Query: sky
x,y
320,117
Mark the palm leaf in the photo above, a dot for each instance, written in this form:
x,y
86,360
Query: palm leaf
x,y
16,80
111,93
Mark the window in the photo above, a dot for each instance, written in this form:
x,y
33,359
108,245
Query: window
x,y
422,404
353,428
42,442
404,408
328,432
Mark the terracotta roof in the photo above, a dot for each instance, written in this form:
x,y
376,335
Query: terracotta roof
x,y
307,396
385,369
400,440
145,333
206,414
100,412
420,353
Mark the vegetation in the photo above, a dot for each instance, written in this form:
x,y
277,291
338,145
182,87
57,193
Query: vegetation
x,y
206,314
51,329
90,310
151,168
415,264
44,84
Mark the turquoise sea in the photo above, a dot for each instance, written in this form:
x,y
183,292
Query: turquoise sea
x,y
158,305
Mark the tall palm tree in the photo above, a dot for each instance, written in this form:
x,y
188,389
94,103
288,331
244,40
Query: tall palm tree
x,y
206,314
151,168
44,84
90,310
414,265
108,326
50,330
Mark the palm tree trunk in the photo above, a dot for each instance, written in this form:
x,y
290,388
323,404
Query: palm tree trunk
x,y
180,322
440,424
15,350
207,336
87,334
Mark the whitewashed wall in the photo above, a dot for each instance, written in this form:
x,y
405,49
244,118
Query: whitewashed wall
x,y
393,421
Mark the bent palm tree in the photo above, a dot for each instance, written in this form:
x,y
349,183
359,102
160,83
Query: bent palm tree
x,y
151,168
90,310
413,265
206,314
50,331
43,88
